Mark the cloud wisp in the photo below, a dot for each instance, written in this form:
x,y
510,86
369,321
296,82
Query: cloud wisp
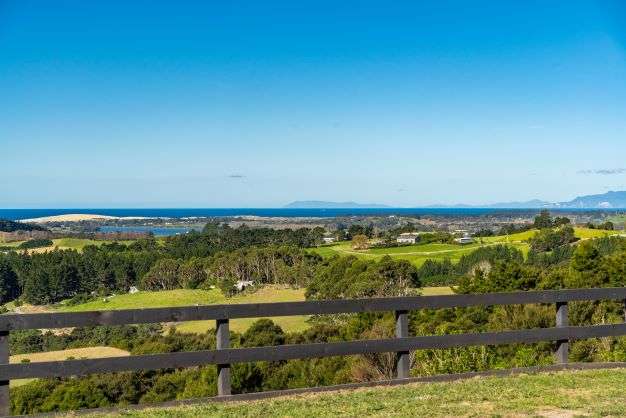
x,y
604,171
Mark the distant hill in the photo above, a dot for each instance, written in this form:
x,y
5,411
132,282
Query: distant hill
x,y
318,204
596,201
10,226
604,200
530,204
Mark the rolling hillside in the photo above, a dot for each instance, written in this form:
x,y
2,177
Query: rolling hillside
x,y
419,253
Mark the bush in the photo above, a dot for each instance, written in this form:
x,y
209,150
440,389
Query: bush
x,y
549,239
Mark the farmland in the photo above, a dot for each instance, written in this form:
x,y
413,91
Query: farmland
x,y
419,253
188,297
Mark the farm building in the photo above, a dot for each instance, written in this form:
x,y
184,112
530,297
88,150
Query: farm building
x,y
408,238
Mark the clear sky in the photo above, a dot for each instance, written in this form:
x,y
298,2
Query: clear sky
x,y
259,103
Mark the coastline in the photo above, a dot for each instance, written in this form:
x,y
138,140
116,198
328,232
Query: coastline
x,y
36,215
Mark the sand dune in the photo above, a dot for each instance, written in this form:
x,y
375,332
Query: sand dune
x,y
70,217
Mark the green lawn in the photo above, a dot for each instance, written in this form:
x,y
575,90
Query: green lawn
x,y
596,393
186,297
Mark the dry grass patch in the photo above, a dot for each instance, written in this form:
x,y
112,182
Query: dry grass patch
x,y
74,353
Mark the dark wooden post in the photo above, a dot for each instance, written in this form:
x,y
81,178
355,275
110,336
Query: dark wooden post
x,y
562,346
223,370
5,402
402,331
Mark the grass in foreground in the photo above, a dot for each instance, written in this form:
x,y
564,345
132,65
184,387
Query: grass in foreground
x,y
563,394
188,297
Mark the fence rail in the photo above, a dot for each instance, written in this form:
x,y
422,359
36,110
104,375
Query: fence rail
x,y
223,356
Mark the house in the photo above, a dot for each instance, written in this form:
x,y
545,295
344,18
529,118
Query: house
x,y
329,239
408,238
465,239
243,284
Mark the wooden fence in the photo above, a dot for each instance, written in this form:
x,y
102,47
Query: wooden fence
x,y
223,356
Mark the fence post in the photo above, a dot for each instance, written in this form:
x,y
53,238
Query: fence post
x,y
223,370
402,357
562,346
5,401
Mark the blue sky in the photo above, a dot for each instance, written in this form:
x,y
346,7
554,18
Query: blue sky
x,y
256,104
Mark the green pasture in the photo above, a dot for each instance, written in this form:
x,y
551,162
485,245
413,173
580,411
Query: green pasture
x,y
419,253
188,297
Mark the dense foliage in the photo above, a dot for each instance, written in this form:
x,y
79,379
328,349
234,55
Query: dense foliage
x,y
35,243
11,226
439,273
219,256
352,277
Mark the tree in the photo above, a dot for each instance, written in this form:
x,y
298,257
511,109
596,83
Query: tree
x,y
192,273
351,277
548,239
543,220
9,287
162,276
359,242
263,332
608,226
561,220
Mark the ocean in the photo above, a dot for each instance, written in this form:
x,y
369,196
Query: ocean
x,y
17,214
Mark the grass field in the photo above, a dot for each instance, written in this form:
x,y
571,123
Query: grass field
x,y
77,353
419,253
597,393
184,297
416,254
65,244
437,291
188,297
586,233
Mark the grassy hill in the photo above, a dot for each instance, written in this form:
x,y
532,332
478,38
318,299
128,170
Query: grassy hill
x,y
419,253
185,297
558,394
189,297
